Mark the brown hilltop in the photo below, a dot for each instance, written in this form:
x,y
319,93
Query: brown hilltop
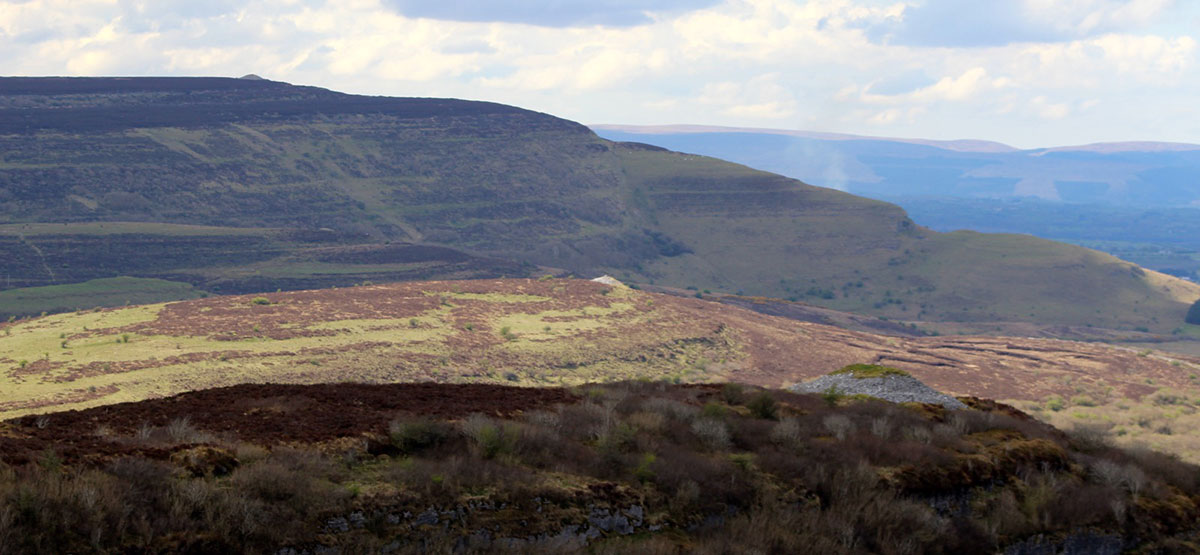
x,y
518,330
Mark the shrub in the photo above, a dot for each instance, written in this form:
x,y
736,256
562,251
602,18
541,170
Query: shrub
x,y
839,425
786,432
732,393
713,409
651,422
1083,401
507,334
670,408
881,427
181,430
832,395
643,472
260,301
412,436
711,432
764,406
492,438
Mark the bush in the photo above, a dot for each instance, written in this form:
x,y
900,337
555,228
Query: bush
x,y
832,395
713,433
839,425
412,436
732,393
786,432
260,301
507,334
492,438
764,406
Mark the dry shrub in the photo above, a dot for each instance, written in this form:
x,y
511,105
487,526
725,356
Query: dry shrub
x,y
181,430
544,420
649,422
671,408
881,427
414,434
712,433
839,425
584,421
764,406
1092,437
492,438
919,433
786,432
444,479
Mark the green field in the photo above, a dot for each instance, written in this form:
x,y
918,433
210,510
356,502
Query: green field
x,y
91,294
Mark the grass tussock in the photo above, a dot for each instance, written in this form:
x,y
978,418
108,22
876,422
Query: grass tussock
x,y
864,371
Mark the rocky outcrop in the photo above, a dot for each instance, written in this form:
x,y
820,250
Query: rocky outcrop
x,y
893,387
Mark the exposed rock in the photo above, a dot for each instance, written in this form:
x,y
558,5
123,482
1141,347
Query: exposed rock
x,y
896,388
609,280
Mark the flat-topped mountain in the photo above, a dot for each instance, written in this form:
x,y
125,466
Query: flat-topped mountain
x,y
242,185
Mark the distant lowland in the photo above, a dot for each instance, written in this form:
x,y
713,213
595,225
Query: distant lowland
x,y
1138,200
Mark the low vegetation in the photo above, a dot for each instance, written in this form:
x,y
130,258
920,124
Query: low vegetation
x,y
864,371
637,466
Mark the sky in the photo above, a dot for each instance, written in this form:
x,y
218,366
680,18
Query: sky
x,y
1030,73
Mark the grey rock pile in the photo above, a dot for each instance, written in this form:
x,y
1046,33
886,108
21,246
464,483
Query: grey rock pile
x,y
897,389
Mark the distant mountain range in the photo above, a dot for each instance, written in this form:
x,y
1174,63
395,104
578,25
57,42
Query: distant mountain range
x,y
1146,174
1139,201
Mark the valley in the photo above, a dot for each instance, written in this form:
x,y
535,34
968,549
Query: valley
x,y
240,314
243,186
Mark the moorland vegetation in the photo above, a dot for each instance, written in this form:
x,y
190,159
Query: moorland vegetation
x,y
645,466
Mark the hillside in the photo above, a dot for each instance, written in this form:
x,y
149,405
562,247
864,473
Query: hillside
x,y
235,186
558,332
614,468
1136,201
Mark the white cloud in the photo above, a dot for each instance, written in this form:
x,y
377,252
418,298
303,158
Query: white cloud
x,y
1079,70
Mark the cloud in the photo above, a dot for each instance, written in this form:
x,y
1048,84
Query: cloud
x,y
901,83
759,98
957,23
1074,71
548,13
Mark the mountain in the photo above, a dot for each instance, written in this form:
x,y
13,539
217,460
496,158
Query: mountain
x,y
242,185
555,332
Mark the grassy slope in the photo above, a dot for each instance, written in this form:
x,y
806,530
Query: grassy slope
x,y
506,183
543,332
532,332
759,233
94,293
